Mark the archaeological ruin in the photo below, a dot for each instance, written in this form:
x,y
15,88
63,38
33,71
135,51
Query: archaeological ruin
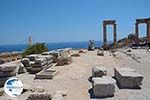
x,y
142,21
105,23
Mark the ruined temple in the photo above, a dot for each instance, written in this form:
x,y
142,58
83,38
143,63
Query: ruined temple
x,y
105,23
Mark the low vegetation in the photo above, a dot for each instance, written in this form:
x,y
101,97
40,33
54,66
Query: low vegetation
x,y
35,49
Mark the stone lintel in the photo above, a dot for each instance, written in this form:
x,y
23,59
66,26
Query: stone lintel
x,y
109,22
143,20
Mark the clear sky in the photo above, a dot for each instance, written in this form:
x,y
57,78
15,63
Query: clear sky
x,y
67,20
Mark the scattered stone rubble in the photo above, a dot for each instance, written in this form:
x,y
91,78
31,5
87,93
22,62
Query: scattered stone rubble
x,y
35,63
10,69
69,51
27,63
55,55
21,69
75,55
41,62
131,55
82,51
104,86
49,59
91,45
1,91
59,95
64,58
128,78
100,52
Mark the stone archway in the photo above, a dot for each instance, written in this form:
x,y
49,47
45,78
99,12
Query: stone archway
x,y
142,21
105,23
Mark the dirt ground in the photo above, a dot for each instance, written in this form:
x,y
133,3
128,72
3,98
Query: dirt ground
x,y
73,78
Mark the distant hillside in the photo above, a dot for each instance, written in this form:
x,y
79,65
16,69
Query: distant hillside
x,y
128,41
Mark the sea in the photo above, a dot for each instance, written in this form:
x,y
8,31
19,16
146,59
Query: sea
x,y
51,46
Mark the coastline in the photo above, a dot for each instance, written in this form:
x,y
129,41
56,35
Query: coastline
x,y
51,46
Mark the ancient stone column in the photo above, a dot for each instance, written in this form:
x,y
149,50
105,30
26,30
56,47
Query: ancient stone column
x,y
104,35
115,35
136,32
148,31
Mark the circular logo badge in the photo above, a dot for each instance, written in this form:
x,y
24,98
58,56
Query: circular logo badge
x,y
13,87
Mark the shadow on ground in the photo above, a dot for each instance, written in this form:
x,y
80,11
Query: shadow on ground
x,y
120,87
94,97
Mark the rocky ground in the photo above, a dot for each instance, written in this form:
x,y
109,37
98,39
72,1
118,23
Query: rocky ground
x,y
73,78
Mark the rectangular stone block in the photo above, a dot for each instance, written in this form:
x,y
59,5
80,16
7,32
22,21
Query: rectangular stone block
x,y
69,51
128,78
47,74
100,52
8,67
40,61
33,57
32,63
21,69
2,81
75,55
1,91
49,58
45,53
7,74
25,60
63,53
49,61
98,71
39,96
103,86
35,70
128,69
62,61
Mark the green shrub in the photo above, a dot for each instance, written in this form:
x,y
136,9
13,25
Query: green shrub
x,y
35,49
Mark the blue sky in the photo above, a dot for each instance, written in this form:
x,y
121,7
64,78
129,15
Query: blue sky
x,y
67,20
